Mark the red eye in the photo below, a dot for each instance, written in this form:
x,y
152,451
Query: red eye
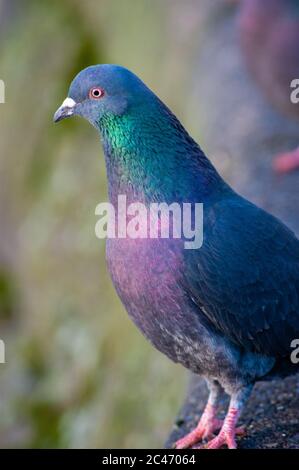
x,y
96,93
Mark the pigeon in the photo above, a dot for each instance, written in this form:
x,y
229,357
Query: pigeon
x,y
227,310
269,37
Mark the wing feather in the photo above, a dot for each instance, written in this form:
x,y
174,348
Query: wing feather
x,y
245,278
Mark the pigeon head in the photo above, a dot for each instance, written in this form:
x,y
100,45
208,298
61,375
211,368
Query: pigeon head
x,y
102,90
145,145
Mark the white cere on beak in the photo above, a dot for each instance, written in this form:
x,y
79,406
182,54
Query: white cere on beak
x,y
68,103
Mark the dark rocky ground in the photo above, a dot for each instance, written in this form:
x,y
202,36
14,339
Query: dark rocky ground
x,y
242,133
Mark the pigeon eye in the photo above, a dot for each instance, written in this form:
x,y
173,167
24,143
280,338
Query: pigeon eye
x,y
96,93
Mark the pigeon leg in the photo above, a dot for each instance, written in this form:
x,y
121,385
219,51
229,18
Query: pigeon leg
x,y
208,422
227,434
286,162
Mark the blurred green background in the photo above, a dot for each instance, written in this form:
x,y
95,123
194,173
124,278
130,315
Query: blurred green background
x,y
77,372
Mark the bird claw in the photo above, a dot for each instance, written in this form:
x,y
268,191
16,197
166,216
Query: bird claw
x,y
222,439
206,427
227,435
204,430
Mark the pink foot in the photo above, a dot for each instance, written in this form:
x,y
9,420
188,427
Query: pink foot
x,y
286,162
207,425
227,435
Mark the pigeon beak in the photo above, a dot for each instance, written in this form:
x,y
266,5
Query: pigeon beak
x,y
65,110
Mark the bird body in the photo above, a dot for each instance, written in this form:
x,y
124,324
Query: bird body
x,y
227,310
